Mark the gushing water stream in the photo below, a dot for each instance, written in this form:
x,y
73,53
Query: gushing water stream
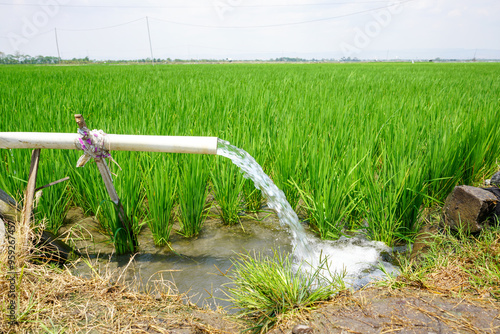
x,y
355,256
276,199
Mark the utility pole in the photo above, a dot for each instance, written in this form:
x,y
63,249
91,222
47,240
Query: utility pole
x,y
57,45
150,46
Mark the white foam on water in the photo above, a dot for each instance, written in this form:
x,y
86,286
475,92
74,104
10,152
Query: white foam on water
x,y
358,257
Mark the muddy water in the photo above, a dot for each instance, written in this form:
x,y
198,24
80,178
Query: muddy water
x,y
196,264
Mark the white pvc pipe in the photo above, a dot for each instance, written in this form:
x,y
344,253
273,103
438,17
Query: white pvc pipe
x,y
169,144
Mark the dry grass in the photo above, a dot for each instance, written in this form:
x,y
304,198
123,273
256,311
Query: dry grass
x,y
51,300
456,265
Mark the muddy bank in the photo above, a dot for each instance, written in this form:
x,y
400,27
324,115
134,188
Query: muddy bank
x,y
378,310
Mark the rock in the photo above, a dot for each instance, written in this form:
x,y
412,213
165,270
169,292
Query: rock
x,y
8,207
469,207
51,249
2,233
495,218
301,329
495,179
422,241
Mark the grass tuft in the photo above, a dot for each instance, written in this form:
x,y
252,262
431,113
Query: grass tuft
x,y
269,289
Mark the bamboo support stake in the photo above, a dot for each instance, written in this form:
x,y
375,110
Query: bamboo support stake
x,y
24,226
52,183
108,182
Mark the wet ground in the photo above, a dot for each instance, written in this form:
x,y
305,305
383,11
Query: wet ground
x,y
197,265
403,311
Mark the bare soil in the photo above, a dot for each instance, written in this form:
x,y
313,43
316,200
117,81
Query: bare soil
x,y
378,310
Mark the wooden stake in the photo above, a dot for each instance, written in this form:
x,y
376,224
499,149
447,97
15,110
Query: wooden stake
x,y
52,183
24,226
108,182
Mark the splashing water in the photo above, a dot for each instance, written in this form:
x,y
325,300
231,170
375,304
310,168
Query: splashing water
x,y
276,199
357,257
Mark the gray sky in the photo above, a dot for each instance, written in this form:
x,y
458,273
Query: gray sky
x,y
252,29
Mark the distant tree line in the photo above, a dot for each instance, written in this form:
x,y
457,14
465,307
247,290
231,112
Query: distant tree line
x,y
19,58
26,59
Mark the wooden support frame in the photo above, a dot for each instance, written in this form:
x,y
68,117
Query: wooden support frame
x,y
24,228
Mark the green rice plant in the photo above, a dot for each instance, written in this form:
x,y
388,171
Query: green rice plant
x,y
394,200
113,225
192,194
331,205
90,192
161,190
252,196
87,186
228,185
54,205
331,195
129,184
56,199
289,164
421,128
14,170
269,289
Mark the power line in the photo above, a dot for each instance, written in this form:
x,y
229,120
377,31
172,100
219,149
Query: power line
x,y
236,27
107,27
281,24
211,6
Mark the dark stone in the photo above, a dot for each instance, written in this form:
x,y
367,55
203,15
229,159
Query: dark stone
x,y
495,218
8,207
469,208
495,179
7,199
52,250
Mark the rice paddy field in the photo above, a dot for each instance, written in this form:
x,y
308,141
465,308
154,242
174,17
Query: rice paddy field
x,y
363,147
